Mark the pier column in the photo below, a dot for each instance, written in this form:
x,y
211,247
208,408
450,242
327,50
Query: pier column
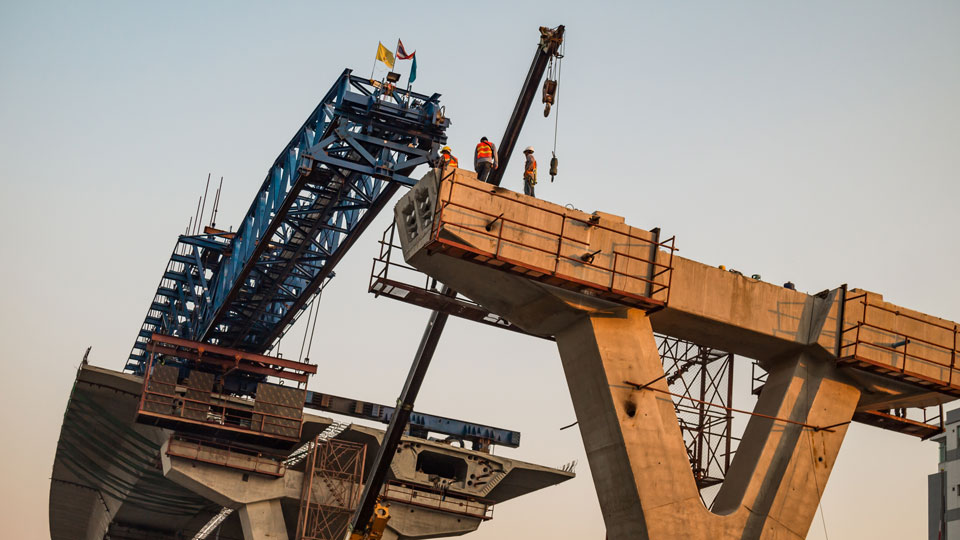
x,y
635,448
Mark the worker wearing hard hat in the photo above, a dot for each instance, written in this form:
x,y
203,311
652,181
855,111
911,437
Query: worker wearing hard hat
x,y
447,160
529,172
484,159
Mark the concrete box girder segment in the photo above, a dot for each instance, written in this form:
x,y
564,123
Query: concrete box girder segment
x,y
630,432
481,228
105,478
259,498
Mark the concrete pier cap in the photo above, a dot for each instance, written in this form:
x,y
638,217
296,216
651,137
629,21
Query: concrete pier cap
x,y
600,288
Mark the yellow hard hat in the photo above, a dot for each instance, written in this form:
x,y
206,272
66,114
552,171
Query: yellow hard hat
x,y
445,149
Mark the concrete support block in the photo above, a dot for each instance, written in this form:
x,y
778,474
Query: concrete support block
x,y
263,521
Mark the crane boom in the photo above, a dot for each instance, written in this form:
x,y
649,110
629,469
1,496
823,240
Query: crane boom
x,y
548,47
361,525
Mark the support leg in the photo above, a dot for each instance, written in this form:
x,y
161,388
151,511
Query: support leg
x,y
636,453
263,521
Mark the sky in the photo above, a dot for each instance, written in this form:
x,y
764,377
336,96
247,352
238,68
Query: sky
x,y
815,142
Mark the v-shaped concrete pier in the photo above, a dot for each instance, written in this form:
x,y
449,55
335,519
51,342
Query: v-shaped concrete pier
x,y
601,288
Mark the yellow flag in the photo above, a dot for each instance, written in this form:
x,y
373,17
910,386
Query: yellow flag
x,y
384,55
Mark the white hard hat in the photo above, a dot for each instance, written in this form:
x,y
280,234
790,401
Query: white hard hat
x,y
528,149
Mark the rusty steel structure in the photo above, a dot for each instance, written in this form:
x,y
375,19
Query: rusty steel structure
x,y
331,489
920,422
701,380
185,387
895,343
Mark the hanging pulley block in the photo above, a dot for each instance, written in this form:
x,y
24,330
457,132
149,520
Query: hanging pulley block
x,y
549,95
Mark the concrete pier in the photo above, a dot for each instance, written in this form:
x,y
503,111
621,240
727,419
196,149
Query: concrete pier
x,y
542,267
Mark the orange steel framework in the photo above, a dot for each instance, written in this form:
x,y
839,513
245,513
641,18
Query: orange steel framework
x,y
854,348
554,277
331,489
211,410
401,281
231,359
697,375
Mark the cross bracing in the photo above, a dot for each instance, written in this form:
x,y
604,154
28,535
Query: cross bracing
x,y
245,289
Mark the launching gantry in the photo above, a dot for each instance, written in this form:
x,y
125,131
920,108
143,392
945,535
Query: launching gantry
x,y
600,288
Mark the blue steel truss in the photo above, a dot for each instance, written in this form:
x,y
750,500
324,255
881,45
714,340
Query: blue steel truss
x,y
244,290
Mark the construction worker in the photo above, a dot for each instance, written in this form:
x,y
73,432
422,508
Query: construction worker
x,y
529,172
484,159
447,160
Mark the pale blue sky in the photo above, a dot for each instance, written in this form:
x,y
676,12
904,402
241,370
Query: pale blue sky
x,y
817,142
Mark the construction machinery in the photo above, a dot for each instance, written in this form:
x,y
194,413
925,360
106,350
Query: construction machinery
x,y
227,297
226,421
365,519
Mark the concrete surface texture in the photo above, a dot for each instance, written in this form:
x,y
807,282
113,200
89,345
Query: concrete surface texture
x,y
485,227
105,480
494,246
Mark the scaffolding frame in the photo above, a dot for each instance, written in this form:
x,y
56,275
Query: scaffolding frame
x,y
706,375
332,481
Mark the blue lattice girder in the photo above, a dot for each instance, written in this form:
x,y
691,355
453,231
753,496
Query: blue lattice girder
x,y
357,147
183,287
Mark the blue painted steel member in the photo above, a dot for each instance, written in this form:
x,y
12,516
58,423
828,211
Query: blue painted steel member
x,y
419,424
244,290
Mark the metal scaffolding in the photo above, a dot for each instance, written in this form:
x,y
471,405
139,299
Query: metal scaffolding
x,y
331,488
705,375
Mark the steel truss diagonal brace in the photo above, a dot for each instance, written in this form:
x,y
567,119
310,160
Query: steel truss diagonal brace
x,y
358,146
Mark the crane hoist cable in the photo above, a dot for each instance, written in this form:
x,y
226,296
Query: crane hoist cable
x,y
370,516
555,100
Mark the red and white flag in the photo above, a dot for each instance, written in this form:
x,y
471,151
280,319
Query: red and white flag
x,y
402,53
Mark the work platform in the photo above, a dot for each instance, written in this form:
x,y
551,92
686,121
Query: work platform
x,y
185,387
601,288
606,262
594,254
899,343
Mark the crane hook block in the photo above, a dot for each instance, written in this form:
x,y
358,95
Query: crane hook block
x,y
549,95
553,167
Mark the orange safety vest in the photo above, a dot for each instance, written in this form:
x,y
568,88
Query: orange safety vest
x,y
450,161
484,150
530,170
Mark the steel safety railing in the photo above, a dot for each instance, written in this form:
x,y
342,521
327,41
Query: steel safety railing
x,y
400,281
219,411
654,285
225,455
437,499
384,263
908,352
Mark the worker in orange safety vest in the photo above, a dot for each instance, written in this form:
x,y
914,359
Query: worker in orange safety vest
x,y
529,172
447,160
484,159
